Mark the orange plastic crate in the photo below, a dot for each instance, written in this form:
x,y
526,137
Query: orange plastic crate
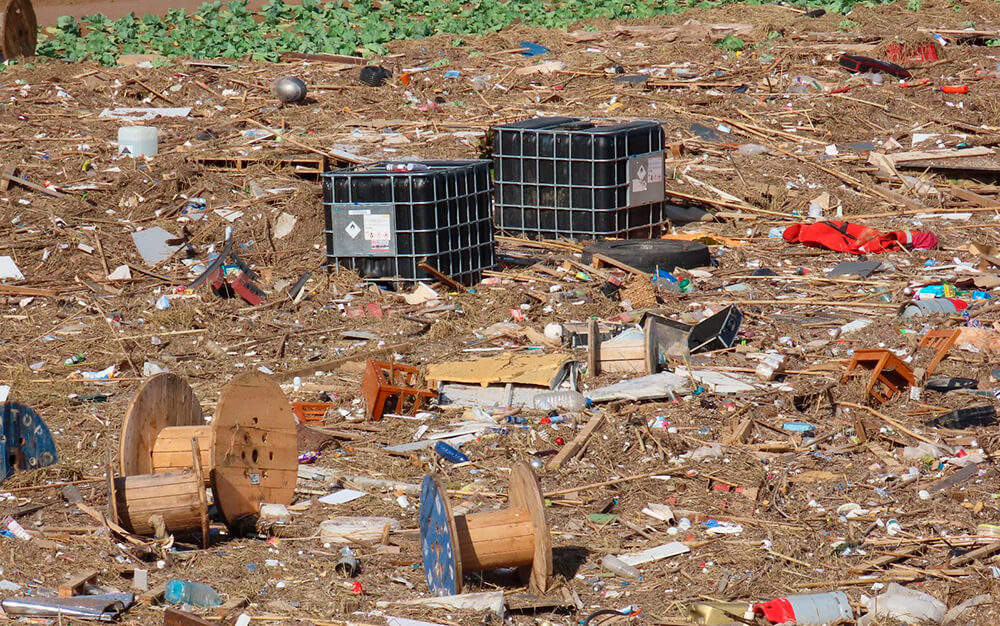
x,y
310,412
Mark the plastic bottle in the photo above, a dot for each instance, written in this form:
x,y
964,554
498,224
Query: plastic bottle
x,y
752,149
449,453
76,358
566,400
850,327
613,564
915,606
407,166
186,592
811,609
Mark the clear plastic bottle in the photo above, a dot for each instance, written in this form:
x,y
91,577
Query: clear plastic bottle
x,y
752,149
613,564
564,399
186,592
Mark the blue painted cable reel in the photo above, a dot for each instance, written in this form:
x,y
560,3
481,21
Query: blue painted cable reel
x,y
26,441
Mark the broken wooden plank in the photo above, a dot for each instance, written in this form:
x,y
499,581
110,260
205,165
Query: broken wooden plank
x,y
153,595
325,58
310,165
11,290
933,155
173,617
574,446
76,584
52,193
599,261
441,277
230,606
975,555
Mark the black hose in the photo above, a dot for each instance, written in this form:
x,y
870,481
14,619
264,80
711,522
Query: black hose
x,y
586,621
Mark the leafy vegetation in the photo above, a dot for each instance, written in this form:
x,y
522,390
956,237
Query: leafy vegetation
x,y
732,43
231,30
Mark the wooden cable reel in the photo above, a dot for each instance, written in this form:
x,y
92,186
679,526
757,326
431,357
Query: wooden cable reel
x,y
249,451
513,537
169,502
18,29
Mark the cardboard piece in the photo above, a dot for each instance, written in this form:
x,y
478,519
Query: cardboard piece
x,y
544,370
138,114
9,269
152,245
656,553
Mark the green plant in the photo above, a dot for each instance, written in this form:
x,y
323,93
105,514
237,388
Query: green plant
x,y
232,30
846,25
914,5
732,43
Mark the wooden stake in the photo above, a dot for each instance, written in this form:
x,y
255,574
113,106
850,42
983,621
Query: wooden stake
x,y
574,446
442,277
889,420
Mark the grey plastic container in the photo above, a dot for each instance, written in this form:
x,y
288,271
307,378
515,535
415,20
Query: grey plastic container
x,y
821,608
922,308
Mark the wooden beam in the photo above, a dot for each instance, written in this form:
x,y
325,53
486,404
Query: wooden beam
x,y
30,185
76,584
593,347
441,277
599,261
154,595
173,617
578,442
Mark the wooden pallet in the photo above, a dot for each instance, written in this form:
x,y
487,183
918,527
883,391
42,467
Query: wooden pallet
x,y
305,165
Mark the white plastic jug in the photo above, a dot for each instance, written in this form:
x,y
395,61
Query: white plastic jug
x,y
138,141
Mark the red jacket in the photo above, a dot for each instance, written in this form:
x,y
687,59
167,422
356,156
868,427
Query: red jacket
x,y
857,239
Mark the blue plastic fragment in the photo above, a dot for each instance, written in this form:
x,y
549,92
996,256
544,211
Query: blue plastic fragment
x,y
533,49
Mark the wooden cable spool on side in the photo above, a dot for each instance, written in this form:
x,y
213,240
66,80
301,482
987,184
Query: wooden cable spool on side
x,y
172,449
168,502
513,537
18,29
249,451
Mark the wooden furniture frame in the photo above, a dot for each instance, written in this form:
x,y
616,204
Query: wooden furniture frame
x,y
385,380
890,376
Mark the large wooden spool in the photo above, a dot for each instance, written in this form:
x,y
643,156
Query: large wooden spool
x,y
18,29
169,502
162,402
172,449
256,448
513,537
249,451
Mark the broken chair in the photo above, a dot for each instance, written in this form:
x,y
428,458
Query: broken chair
x,y
940,341
890,375
384,381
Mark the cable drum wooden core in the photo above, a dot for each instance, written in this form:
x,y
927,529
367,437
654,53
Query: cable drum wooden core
x,y
18,29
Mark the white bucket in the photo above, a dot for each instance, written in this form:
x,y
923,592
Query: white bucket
x,y
138,141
